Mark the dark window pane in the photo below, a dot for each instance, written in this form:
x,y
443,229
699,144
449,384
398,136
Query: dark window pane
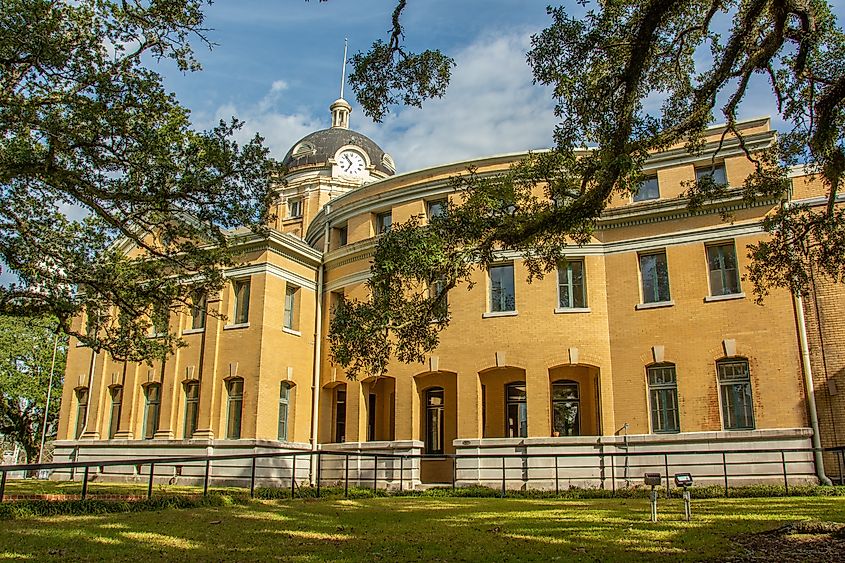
x,y
571,292
654,271
434,439
724,273
502,297
649,189
717,172
436,208
737,405
517,411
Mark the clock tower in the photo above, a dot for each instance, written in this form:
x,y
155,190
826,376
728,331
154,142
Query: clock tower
x,y
325,164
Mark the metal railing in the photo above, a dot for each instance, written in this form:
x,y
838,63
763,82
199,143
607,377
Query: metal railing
x,y
334,467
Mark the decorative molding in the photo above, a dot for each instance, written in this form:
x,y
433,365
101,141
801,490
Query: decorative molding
x,y
658,352
574,356
273,270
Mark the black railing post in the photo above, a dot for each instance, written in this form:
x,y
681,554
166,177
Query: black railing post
x,y
613,473
725,471
150,484
205,479
454,471
666,467
557,478
346,477
375,472
2,485
293,477
252,479
85,483
503,477
319,466
785,480
401,473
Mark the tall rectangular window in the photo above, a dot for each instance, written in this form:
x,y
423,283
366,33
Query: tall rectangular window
x,y
81,410
735,387
383,222
152,410
436,208
566,404
241,292
724,273
198,308
663,396
372,416
234,408
284,400
434,421
291,320
116,393
570,279
716,172
437,290
654,272
192,407
516,410
502,296
340,414
649,189
341,236
294,208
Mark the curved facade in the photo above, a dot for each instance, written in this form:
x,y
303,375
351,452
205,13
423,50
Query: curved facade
x,y
647,338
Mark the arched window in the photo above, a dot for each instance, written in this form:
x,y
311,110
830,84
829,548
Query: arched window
x,y
735,390
284,412
434,403
192,407
234,410
81,410
516,410
116,393
566,409
663,397
152,410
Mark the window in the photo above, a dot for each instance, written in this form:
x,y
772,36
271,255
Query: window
x,y
335,300
116,393
291,320
192,407
735,386
716,172
724,274
152,410
502,297
340,414
372,412
284,399
649,189
566,406
434,403
436,208
81,410
516,410
383,222
435,289
241,292
342,235
198,308
294,208
570,280
663,397
654,271
160,321
234,408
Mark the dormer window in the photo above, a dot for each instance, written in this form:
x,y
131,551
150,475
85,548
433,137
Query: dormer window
x,y
388,163
304,149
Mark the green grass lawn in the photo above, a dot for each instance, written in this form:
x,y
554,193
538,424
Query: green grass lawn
x,y
412,529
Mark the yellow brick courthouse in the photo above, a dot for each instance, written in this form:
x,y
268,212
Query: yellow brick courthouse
x,y
647,339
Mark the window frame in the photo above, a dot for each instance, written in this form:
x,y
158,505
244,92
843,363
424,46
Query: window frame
x,y
521,410
81,410
294,208
713,170
656,280
435,444
729,411
569,285
718,246
285,388
339,426
152,410
500,307
636,197
576,401
192,407
290,320
234,408
657,394
380,228
199,308
116,394
443,203
240,301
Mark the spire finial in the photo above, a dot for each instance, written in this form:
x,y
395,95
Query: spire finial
x,y
343,70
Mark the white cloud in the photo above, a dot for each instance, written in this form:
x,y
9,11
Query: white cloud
x,y
278,86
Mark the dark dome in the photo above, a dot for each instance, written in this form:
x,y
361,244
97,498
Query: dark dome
x,y
316,148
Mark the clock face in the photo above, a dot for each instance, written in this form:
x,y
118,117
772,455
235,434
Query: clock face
x,y
351,162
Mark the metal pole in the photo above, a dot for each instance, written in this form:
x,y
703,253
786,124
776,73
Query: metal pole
x,y
785,480
2,485
85,483
687,505
319,466
49,391
557,480
252,479
613,473
725,471
346,477
205,480
150,484
666,467
503,476
375,472
653,504
401,473
454,471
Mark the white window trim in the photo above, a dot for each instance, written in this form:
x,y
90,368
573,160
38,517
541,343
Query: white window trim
x,y
291,331
728,297
193,330
493,314
565,310
655,305
236,326
584,287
